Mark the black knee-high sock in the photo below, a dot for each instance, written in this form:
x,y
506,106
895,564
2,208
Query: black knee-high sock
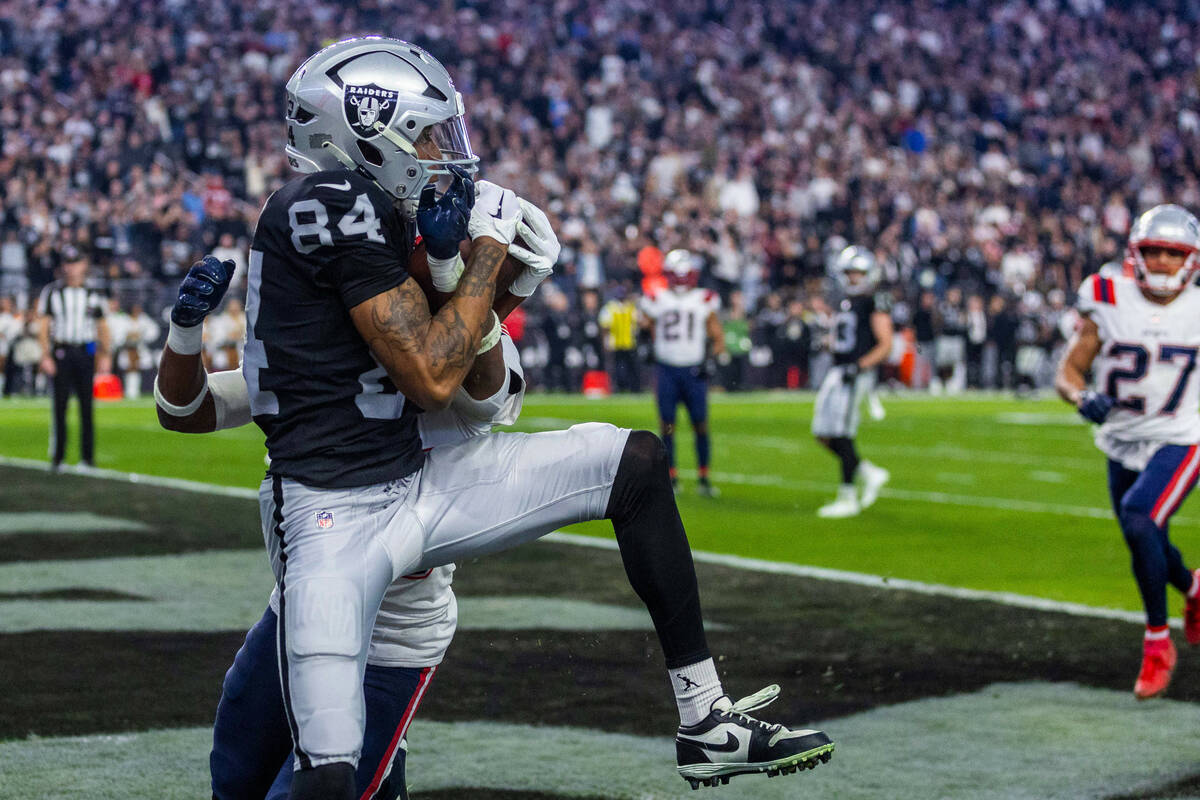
x,y
655,549
843,448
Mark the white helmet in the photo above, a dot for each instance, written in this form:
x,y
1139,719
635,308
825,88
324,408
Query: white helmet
x,y
682,269
856,259
362,104
1168,226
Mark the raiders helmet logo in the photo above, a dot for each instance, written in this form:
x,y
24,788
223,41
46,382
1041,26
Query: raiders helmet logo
x,y
366,105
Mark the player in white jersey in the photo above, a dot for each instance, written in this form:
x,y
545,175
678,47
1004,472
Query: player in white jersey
x,y
1139,337
684,320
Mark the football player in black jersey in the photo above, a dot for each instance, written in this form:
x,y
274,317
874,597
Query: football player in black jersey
x,y
861,340
342,351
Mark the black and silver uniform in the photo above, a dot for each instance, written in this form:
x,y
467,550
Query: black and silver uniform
x,y
325,243
852,333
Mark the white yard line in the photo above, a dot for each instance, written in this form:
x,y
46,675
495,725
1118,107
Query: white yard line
x,y
736,562
940,498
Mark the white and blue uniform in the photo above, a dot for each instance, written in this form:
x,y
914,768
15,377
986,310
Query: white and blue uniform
x,y
680,346
1147,363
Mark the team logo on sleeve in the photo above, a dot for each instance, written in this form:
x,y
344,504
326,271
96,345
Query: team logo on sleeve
x,y
324,519
366,105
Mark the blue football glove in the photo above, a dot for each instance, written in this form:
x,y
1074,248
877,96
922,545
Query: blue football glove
x,y
1094,406
201,291
443,220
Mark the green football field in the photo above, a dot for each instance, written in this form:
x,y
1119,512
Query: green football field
x,y
987,492
122,602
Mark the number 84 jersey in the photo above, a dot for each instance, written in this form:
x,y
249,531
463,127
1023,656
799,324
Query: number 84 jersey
x,y
325,243
1147,361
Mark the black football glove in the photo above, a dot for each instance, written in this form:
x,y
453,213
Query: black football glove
x,y
201,291
849,373
1095,407
443,220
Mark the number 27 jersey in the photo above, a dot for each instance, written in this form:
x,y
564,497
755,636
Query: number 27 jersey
x,y
1147,361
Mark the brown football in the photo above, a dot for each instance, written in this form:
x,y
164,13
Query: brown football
x,y
419,269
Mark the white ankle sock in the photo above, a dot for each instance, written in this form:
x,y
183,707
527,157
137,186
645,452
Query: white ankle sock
x,y
696,687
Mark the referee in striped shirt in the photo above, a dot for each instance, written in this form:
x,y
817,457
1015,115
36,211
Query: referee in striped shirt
x,y
75,344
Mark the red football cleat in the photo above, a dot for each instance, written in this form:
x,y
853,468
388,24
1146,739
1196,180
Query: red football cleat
x,y
1191,615
1158,662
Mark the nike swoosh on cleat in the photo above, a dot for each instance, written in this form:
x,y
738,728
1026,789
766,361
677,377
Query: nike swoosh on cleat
x,y
731,744
344,186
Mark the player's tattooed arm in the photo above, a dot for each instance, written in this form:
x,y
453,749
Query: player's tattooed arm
x,y
1071,379
428,356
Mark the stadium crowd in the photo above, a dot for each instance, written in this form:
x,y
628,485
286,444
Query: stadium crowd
x,y
991,154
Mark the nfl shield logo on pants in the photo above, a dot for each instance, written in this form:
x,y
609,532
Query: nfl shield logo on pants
x,y
324,519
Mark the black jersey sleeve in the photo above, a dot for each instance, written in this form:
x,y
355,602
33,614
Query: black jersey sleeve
x,y
368,244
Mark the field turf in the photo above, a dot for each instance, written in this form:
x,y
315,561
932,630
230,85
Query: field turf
x,y
986,493
121,604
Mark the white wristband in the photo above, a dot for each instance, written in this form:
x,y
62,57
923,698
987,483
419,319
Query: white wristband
x,y
186,341
526,282
491,337
231,398
180,411
445,272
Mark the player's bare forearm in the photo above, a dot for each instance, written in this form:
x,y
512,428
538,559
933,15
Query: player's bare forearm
x,y
487,374
1071,378
716,334
180,379
881,326
427,357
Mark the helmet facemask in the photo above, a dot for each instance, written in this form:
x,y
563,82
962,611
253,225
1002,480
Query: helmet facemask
x,y
380,107
1170,227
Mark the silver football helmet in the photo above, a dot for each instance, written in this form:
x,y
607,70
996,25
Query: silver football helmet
x,y
856,259
682,269
381,107
1169,226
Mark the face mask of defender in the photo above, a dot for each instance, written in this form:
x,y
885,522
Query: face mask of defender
x,y
1163,284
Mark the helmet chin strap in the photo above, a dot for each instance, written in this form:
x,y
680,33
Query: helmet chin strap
x,y
341,155
399,141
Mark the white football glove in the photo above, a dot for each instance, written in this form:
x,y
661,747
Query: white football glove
x,y
495,214
540,256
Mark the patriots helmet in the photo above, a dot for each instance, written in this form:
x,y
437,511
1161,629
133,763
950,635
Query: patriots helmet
x,y
1167,226
860,260
381,107
682,269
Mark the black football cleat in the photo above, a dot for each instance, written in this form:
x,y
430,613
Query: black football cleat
x,y
728,742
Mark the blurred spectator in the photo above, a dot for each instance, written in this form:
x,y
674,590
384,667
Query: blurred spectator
x,y
736,328
992,147
620,321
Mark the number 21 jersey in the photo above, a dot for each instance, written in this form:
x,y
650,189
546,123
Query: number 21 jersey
x,y
1147,361
680,324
